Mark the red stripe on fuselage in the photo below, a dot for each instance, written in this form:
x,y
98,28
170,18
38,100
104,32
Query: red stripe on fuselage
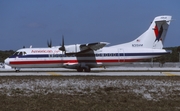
x,y
69,61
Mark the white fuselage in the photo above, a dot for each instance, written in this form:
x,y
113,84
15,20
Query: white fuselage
x,y
54,58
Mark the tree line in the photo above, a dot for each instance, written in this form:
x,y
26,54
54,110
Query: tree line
x,y
5,54
173,57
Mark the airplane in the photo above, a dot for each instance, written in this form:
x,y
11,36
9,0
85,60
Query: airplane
x,y
84,57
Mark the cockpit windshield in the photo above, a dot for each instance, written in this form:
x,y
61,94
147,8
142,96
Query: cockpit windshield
x,y
19,53
16,53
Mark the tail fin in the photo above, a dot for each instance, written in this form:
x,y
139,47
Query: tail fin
x,y
154,37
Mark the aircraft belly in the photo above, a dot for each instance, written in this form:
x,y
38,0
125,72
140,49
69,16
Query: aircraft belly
x,y
74,63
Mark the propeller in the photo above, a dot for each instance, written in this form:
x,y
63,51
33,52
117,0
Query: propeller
x,y
62,48
49,43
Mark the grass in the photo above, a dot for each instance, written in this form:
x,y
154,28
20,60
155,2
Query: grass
x,y
89,93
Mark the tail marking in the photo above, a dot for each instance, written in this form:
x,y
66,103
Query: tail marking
x,y
158,33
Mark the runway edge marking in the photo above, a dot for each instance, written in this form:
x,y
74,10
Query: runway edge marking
x,y
54,74
170,74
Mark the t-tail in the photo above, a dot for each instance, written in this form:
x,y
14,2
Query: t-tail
x,y
154,37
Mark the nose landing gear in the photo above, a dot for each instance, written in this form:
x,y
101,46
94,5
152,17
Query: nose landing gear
x,y
17,69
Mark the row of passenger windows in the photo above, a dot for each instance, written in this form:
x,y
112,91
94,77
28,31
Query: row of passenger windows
x,y
87,55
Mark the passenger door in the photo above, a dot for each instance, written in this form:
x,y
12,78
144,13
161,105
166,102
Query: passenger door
x,y
121,55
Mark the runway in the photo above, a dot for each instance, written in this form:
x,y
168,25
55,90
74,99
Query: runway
x,y
95,72
91,74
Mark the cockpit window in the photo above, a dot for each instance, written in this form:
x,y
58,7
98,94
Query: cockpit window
x,y
24,53
19,53
16,53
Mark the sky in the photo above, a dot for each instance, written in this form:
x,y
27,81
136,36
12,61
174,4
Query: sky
x,y
34,22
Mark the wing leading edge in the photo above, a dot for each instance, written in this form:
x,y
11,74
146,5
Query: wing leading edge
x,y
93,46
83,48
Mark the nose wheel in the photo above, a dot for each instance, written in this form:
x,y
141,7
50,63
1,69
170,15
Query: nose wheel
x,y
17,69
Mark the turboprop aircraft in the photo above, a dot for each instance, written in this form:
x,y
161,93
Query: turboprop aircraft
x,y
83,57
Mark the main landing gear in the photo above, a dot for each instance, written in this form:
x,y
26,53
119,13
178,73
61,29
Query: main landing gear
x,y
85,69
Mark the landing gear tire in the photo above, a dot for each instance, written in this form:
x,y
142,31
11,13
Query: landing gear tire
x,y
87,69
17,70
80,69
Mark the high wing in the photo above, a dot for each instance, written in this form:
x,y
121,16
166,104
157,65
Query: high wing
x,y
93,46
83,48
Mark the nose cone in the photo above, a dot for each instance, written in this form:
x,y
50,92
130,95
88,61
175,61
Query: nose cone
x,y
6,61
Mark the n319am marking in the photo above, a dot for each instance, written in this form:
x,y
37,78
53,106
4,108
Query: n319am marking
x,y
137,45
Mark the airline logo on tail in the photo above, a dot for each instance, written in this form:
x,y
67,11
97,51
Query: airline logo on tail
x,y
158,32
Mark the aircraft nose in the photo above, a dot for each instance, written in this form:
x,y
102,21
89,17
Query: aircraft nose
x,y
6,61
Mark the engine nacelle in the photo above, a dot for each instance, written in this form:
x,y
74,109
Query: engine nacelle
x,y
73,48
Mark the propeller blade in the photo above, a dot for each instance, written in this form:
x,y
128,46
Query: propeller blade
x,y
49,43
62,48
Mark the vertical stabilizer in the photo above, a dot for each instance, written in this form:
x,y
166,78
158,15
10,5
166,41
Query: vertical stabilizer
x,y
154,37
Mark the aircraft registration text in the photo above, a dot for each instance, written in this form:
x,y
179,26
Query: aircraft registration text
x,y
137,45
